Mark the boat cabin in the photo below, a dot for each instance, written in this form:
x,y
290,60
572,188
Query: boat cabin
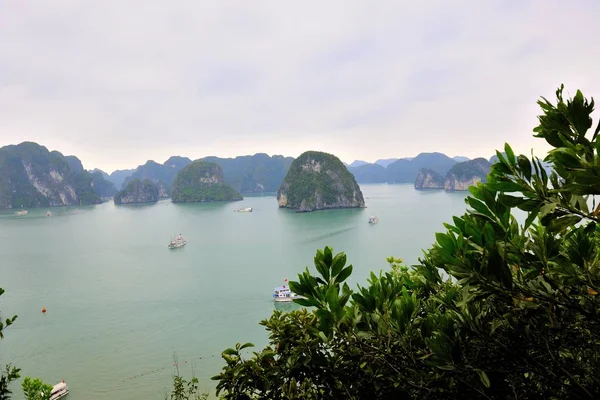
x,y
59,390
283,292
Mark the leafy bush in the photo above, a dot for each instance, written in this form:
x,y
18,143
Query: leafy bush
x,y
516,313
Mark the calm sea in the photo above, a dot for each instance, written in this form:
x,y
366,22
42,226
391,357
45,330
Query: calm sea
x,y
120,304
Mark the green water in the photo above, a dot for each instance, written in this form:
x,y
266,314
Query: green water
x,y
120,304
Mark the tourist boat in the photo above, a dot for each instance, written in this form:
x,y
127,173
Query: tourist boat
x,y
59,390
22,212
247,209
177,241
48,213
283,294
373,219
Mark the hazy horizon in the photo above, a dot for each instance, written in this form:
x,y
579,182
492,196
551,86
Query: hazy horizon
x,y
83,162
117,84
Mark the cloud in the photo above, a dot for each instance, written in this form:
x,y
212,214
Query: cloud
x,y
117,83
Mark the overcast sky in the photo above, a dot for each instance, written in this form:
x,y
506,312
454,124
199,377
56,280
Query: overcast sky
x,y
120,82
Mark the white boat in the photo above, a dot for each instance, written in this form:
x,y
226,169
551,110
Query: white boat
x,y
59,390
283,294
48,213
247,209
373,219
177,241
22,212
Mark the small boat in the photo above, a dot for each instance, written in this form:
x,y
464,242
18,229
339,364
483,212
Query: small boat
x,y
283,294
373,219
247,209
59,390
48,213
177,241
22,212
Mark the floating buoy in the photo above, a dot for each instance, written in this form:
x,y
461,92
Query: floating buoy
x,y
44,310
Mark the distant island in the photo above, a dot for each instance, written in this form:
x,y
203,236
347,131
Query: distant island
x,y
403,170
31,176
137,191
202,181
319,181
458,178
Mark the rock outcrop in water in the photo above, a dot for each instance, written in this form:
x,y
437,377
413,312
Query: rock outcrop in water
x,y
31,176
466,174
429,179
137,191
458,178
202,181
319,181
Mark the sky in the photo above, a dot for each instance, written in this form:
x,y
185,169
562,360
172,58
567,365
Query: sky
x,y
117,83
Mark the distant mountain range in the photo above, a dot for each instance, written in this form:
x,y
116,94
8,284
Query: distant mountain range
x,y
32,176
403,170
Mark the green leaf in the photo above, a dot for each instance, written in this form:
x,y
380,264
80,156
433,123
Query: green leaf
x,y
346,272
245,345
562,223
483,377
532,215
510,201
332,298
445,242
504,186
305,302
339,261
229,351
479,206
509,154
525,166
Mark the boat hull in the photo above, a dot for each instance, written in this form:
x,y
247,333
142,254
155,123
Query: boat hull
x,y
287,299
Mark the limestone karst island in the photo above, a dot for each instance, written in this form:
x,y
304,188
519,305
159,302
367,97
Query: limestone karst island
x,y
319,181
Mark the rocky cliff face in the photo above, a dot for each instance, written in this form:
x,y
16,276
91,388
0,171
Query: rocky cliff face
x,y
429,179
163,190
458,178
32,176
202,181
137,191
466,174
319,181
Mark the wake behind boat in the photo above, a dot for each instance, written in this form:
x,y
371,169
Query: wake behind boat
x,y
177,242
283,294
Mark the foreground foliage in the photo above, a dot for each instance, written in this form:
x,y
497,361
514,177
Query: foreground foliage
x,y
10,373
35,389
493,310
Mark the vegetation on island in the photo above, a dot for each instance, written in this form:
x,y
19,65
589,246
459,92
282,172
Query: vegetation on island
x,y
31,176
137,191
467,170
202,181
258,173
494,310
459,177
101,185
160,173
318,180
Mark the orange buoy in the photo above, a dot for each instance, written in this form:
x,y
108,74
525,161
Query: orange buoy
x,y
44,310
